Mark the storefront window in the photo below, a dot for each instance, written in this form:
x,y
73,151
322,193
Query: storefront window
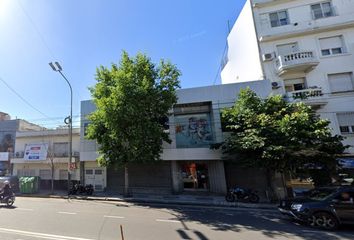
x,y
194,176
193,130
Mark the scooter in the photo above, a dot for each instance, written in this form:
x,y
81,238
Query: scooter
x,y
80,189
242,194
8,200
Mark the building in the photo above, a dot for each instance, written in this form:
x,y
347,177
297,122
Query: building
x,y
189,165
8,128
306,49
52,155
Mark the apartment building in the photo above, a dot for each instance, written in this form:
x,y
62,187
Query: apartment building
x,y
305,48
8,128
43,152
189,165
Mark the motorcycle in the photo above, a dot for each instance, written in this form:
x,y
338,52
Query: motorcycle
x,y
80,189
242,194
8,200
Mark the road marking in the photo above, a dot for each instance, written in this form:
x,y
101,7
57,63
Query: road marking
x,y
167,220
107,216
69,213
24,209
40,235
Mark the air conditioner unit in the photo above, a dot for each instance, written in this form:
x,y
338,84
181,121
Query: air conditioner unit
x,y
275,85
19,154
267,57
76,154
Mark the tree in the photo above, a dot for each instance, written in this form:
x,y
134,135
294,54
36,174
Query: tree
x,y
131,99
276,135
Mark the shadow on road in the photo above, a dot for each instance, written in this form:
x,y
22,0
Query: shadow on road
x,y
270,223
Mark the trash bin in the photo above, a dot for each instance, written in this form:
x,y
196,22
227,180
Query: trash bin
x,y
29,184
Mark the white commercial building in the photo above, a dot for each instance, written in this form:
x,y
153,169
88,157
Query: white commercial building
x,y
305,48
189,165
39,152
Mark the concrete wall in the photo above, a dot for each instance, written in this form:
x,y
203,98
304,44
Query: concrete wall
x,y
243,54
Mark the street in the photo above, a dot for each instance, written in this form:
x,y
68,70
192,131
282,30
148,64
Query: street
x,y
40,218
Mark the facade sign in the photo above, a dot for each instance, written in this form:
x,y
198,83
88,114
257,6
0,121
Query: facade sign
x,y
193,130
346,162
4,156
36,152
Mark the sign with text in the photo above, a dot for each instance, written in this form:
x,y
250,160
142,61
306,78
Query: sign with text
x,y
4,156
36,152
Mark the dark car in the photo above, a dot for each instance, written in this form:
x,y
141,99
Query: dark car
x,y
326,207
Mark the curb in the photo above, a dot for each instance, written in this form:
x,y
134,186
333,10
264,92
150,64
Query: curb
x,y
235,205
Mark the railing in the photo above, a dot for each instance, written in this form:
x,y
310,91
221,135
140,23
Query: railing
x,y
296,58
305,94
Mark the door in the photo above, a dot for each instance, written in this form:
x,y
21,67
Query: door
x,y
344,206
95,177
286,49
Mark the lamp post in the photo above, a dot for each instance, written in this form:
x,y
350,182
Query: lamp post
x,y
68,120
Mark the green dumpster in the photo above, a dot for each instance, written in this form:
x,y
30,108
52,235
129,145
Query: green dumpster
x,y
29,184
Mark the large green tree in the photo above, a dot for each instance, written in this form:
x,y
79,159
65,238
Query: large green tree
x,y
131,100
276,135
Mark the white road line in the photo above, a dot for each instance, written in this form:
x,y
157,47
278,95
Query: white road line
x,y
40,235
107,216
167,220
24,209
69,213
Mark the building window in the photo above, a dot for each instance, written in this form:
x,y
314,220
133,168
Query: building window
x,y
26,172
279,18
45,174
346,122
332,45
61,149
322,10
341,82
294,84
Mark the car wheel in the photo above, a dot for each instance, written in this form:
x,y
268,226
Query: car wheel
x,y
324,220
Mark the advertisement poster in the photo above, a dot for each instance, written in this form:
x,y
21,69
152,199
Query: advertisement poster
x,y
193,130
36,152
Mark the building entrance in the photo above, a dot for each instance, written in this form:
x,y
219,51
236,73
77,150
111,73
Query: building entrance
x,y
195,176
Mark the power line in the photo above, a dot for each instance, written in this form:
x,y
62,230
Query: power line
x,y
22,98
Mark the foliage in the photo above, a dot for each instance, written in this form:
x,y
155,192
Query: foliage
x,y
277,135
131,98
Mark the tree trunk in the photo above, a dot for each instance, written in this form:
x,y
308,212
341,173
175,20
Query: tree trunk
x,y
126,182
271,192
52,180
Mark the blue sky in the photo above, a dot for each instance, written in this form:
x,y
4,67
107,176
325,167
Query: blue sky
x,y
84,34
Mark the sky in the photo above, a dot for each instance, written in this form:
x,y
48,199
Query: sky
x,y
85,34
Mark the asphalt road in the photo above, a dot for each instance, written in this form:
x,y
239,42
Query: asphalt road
x,y
36,218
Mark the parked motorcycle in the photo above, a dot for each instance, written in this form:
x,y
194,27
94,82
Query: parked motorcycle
x,y
80,189
242,194
8,200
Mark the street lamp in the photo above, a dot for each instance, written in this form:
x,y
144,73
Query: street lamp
x,y
68,120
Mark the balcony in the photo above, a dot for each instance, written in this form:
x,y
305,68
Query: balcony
x,y
311,96
296,62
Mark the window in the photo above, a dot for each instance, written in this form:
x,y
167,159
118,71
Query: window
x,y
322,10
286,49
63,174
45,174
294,84
346,122
279,18
332,45
26,172
60,149
341,82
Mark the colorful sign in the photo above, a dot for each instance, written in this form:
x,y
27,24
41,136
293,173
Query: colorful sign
x,y
4,156
36,152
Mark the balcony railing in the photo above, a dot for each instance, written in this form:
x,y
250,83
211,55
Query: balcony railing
x,y
296,62
311,93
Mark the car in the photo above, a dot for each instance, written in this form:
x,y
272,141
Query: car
x,y
326,207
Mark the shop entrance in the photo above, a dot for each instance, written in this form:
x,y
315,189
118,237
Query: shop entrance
x,y
195,176
95,177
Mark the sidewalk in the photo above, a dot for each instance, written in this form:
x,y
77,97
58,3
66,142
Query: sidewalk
x,y
164,199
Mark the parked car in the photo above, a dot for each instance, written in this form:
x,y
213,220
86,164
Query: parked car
x,y
326,207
